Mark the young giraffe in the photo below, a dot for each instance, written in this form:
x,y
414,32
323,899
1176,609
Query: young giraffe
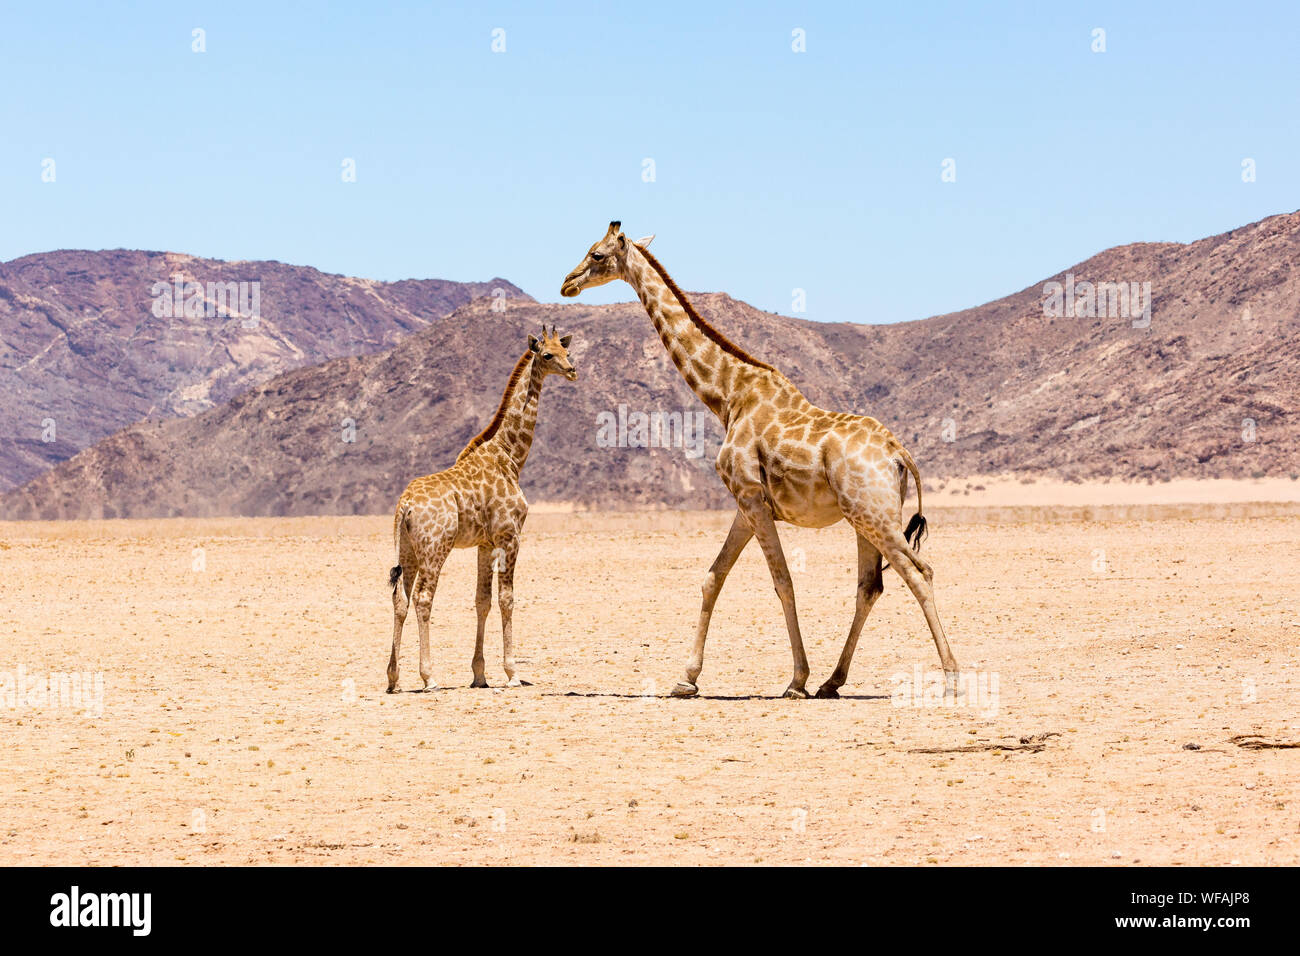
x,y
476,503
783,459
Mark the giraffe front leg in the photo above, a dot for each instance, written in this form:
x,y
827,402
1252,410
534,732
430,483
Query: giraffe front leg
x,y
482,605
506,554
760,520
737,538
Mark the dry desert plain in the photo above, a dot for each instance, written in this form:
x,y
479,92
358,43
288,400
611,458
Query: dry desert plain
x,y
1132,653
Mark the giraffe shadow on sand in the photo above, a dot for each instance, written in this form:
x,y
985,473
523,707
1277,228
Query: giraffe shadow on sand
x,y
721,697
438,689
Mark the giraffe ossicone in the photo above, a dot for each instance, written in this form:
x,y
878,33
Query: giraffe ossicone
x,y
476,503
783,459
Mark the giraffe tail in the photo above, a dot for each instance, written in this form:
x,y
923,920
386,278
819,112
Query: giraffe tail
x,y
395,573
917,528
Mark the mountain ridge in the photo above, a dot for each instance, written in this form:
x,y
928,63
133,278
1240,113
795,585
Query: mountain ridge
x,y
87,347
1207,388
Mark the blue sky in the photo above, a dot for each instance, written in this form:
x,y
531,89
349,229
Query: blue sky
x,y
774,170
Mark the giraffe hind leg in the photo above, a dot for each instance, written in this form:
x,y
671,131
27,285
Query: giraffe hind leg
x,y
426,558
870,586
402,585
919,577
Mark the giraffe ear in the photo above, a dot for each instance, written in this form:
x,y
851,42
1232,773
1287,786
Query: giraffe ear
x,y
645,241
532,343
566,340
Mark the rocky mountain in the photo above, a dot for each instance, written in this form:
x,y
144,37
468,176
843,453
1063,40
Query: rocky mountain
x,y
93,341
1196,373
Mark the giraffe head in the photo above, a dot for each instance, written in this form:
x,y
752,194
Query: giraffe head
x,y
604,262
551,350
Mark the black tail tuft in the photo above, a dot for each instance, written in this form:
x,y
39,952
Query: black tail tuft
x,y
916,530
395,575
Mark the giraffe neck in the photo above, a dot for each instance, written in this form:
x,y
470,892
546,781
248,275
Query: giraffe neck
x,y
514,436
710,367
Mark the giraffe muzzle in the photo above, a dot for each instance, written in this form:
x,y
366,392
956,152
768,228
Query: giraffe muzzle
x,y
572,284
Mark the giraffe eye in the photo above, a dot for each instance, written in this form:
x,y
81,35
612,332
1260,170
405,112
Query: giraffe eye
x,y
598,256
548,355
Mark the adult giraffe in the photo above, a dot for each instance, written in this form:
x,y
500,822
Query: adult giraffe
x,y
784,459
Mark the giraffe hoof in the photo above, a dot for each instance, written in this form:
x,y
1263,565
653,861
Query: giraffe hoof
x,y
392,688
684,689
827,692
479,682
516,682
795,693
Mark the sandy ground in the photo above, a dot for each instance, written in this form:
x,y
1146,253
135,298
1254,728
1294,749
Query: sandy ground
x,y
244,718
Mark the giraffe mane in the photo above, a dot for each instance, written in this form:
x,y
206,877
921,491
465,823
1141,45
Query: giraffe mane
x,y
500,416
711,333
